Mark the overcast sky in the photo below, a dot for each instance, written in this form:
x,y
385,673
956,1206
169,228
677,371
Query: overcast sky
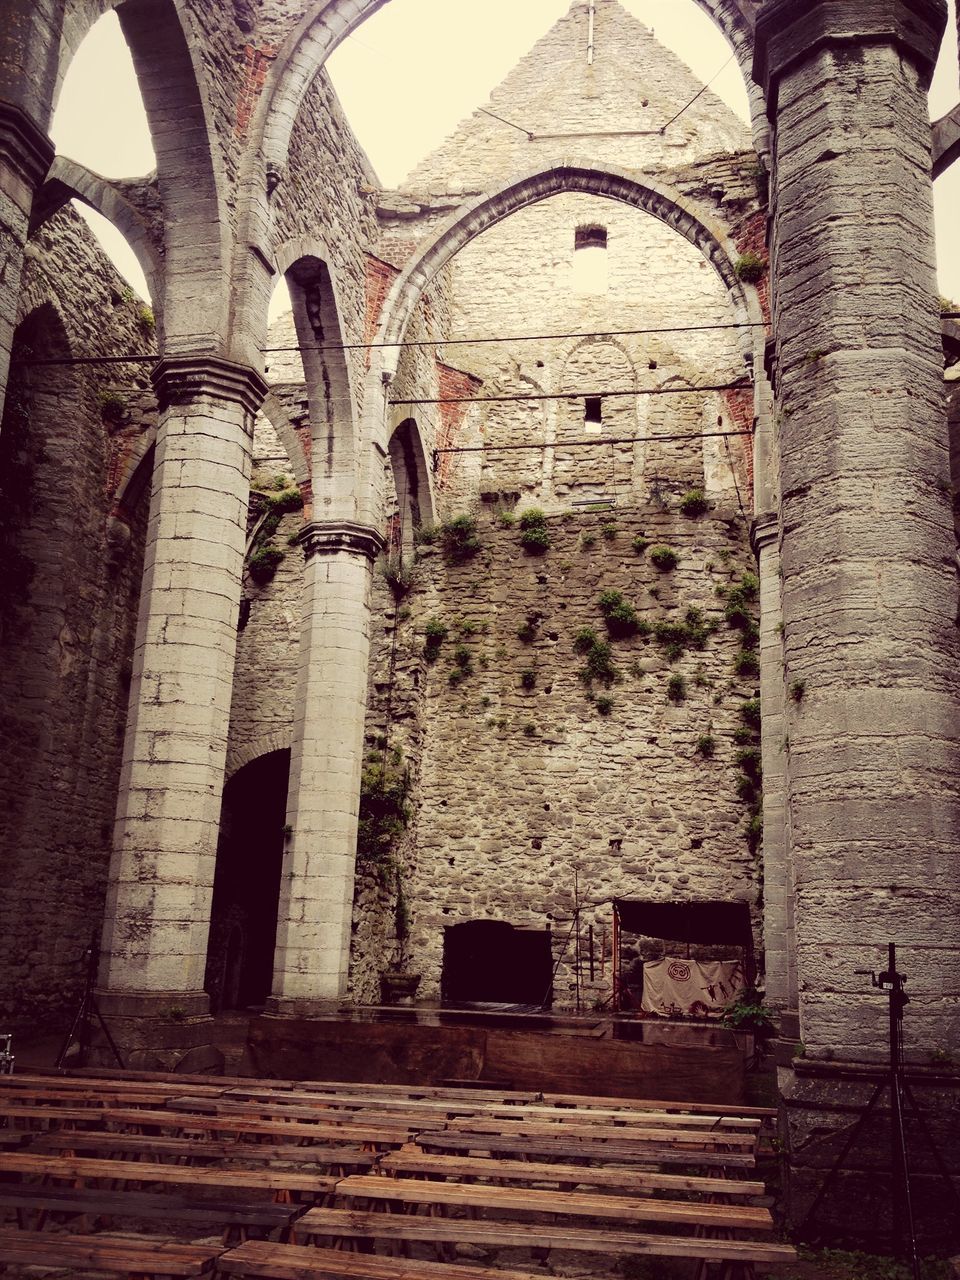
x,y
408,76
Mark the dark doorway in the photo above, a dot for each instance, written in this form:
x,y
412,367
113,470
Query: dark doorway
x,y
491,962
246,887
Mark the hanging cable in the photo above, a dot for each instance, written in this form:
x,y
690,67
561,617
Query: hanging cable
x,y
582,444
697,95
519,127
579,395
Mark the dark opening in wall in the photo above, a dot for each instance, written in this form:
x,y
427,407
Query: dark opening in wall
x,y
590,238
592,413
590,271
246,887
491,962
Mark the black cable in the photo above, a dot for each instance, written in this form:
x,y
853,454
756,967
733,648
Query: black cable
x,y
579,395
519,127
697,95
585,444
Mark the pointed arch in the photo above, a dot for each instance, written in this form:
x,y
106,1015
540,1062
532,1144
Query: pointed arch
x,y
411,478
328,23
334,453
67,180
636,190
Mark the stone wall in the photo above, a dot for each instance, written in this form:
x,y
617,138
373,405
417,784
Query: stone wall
x,y
71,582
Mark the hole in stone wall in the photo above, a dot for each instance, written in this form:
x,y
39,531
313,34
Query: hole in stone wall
x,y
491,962
593,414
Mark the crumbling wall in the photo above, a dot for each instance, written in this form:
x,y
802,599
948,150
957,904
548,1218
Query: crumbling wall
x,y
71,580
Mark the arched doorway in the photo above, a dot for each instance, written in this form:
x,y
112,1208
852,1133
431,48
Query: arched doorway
x,y
246,887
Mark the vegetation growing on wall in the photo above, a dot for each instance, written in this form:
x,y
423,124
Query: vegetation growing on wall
x,y
384,809
275,499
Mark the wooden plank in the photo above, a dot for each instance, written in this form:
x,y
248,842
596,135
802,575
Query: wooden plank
x,y
198,1122
707,1138
251,1153
425,1107
211,1215
582,1149
294,1262
266,1178
346,1223
569,1203
625,1179
147,1256
702,1108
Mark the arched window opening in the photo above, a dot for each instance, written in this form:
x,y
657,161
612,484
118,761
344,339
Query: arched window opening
x,y
590,265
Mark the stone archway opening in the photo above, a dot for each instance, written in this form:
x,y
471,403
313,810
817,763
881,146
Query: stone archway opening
x,y
246,888
493,962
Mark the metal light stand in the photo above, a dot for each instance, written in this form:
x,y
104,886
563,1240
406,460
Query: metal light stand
x,y
904,1231
85,1009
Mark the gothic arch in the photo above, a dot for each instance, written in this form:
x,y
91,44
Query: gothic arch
x,y
649,195
329,22
330,392
411,477
68,180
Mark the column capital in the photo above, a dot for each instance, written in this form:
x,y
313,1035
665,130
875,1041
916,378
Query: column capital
x,y
177,379
23,144
791,31
764,531
326,537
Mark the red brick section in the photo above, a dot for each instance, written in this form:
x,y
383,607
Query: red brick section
x,y
380,278
256,64
451,384
740,408
751,237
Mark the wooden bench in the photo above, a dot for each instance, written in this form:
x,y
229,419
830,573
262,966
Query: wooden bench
x,y
294,1262
709,1139
342,1224
418,1193
624,1179
139,1258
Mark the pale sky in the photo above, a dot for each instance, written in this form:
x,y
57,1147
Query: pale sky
x,y
408,76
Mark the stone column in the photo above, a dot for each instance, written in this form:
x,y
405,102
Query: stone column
x,y
316,895
25,156
869,587
869,582
168,814
778,943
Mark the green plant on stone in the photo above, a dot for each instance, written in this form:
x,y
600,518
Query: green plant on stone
x,y
263,562
462,660
694,503
750,713
706,745
536,542
398,577
425,535
146,321
797,689
640,544
604,704
384,811
749,760
458,539
676,688
113,407
664,558
528,679
434,633
599,664
747,664
620,616
750,267
608,531
529,730
587,540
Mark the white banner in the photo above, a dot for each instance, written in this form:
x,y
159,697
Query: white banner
x,y
673,987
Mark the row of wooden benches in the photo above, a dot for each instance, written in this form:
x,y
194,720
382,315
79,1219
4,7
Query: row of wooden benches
x,y
332,1158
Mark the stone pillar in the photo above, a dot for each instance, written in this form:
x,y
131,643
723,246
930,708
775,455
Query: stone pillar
x,y
869,584
316,895
168,814
25,156
778,941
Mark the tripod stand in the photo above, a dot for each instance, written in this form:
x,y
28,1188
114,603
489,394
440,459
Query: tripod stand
x,y
80,1026
901,1096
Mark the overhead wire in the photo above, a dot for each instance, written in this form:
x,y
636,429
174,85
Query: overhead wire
x,y
154,357
578,395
